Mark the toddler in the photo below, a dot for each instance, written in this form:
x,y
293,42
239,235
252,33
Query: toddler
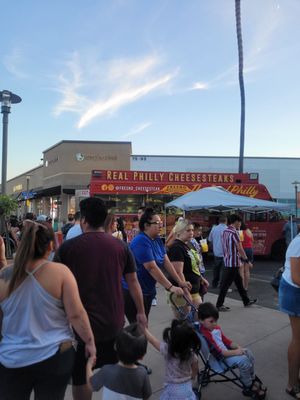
x,y
124,380
234,354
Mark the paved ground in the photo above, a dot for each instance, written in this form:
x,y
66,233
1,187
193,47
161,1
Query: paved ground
x,y
259,286
265,330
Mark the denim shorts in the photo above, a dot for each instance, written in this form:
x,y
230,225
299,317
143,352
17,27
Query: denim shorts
x,y
289,298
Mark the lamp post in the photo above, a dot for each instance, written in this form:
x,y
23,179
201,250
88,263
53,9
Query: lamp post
x,y
296,183
27,193
7,98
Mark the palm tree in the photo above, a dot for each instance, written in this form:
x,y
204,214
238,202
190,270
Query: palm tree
x,y
241,82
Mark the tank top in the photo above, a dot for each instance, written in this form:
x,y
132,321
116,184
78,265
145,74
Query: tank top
x,y
248,240
34,324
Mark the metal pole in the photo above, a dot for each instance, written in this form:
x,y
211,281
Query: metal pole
x,y
296,198
5,111
27,194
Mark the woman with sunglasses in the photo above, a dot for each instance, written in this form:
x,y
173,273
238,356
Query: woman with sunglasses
x,y
40,301
150,256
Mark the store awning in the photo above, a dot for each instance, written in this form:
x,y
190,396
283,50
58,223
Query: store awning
x,y
47,192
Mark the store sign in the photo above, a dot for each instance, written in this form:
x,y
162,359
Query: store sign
x,y
179,177
18,187
173,183
52,161
95,157
108,187
82,193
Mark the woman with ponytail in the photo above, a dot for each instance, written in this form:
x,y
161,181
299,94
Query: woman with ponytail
x,y
40,301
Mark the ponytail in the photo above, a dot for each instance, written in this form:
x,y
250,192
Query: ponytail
x,y
34,243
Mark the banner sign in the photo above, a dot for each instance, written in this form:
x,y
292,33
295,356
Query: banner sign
x,y
173,183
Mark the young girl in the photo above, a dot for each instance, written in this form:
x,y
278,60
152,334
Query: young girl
x,y
180,342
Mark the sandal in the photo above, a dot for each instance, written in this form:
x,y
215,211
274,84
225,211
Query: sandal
x,y
257,384
294,392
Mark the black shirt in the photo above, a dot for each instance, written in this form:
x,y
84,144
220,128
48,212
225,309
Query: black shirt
x,y
181,252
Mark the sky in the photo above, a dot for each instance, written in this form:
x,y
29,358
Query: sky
x,y
162,74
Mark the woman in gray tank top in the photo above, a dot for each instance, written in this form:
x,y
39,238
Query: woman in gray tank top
x,y
40,302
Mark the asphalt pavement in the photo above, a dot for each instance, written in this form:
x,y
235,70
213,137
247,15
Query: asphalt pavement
x,y
259,287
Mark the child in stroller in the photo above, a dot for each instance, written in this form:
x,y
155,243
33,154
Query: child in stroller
x,y
233,354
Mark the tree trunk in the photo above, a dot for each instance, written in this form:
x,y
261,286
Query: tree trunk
x,y
241,82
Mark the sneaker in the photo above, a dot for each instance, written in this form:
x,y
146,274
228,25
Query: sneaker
x,y
223,308
250,302
154,302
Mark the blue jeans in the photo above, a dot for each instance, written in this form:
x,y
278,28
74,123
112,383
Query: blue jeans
x,y
245,364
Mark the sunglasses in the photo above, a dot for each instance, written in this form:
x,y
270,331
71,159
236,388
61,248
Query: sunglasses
x,y
155,223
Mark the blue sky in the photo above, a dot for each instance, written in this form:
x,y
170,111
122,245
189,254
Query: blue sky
x,y
159,73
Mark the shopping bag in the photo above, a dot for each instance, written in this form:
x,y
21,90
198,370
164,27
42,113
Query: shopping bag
x,y
275,281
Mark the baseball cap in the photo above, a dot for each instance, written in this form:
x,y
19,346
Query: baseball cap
x,y
43,218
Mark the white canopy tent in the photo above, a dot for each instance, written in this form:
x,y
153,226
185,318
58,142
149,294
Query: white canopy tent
x,y
216,198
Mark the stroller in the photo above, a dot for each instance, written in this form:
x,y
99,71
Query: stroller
x,y
215,369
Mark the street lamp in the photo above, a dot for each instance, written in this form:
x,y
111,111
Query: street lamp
x,y
296,183
27,193
7,98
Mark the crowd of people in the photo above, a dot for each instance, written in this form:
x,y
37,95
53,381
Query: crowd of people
x,y
64,305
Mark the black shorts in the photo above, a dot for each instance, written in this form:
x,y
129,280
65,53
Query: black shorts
x,y
48,379
106,354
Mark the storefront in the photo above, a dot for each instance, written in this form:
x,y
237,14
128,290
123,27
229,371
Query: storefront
x,y
50,188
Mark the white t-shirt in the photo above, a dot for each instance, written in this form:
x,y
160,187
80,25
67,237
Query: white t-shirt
x,y
292,251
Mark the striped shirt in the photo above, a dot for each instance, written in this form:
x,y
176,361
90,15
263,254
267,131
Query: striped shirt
x,y
230,240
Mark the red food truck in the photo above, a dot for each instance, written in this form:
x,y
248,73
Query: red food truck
x,y
125,191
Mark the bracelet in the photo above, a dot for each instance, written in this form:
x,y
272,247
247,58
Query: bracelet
x,y
168,289
245,260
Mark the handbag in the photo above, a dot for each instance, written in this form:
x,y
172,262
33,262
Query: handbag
x,y
275,281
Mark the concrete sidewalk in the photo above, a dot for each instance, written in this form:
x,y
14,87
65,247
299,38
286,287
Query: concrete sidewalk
x,y
265,331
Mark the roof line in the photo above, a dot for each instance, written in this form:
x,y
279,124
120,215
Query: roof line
x,y
25,173
234,157
85,141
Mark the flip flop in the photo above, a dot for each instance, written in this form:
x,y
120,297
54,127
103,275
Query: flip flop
x,y
258,383
294,392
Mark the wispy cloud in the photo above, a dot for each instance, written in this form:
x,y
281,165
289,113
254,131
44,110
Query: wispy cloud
x,y
68,86
199,86
95,89
138,129
121,98
14,63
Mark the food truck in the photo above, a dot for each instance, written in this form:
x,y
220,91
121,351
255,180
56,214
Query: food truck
x,y
125,191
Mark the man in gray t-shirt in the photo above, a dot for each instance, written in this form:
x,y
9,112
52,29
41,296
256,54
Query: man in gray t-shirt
x,y
132,383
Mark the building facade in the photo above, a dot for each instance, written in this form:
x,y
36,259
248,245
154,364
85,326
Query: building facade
x,y
56,187
50,188
276,173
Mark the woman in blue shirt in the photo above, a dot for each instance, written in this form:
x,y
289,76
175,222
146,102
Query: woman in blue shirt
x,y
150,256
